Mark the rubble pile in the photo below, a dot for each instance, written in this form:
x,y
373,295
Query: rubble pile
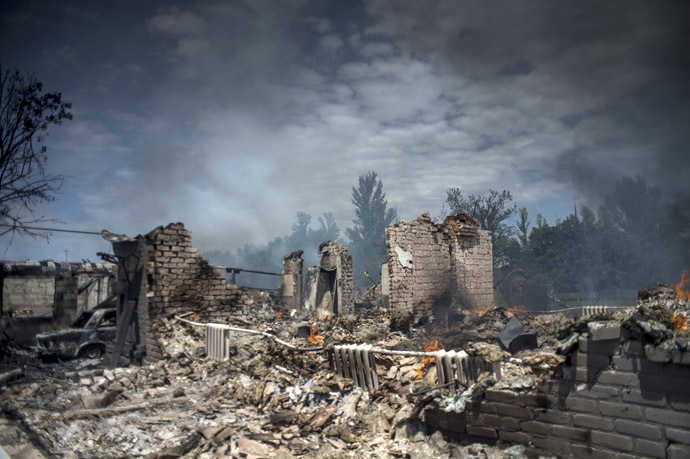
x,y
264,401
267,400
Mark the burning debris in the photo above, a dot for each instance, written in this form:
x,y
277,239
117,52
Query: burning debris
x,y
238,374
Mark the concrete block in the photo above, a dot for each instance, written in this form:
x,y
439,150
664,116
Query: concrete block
x,y
589,346
620,410
553,444
519,412
620,378
516,437
597,391
587,452
553,417
680,436
500,395
571,433
680,402
596,361
592,422
576,403
638,429
540,400
482,431
602,331
650,448
633,348
615,441
535,427
668,417
676,451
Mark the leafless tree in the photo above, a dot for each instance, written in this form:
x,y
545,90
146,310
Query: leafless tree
x,y
25,114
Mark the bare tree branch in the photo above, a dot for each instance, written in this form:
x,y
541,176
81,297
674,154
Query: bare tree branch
x,y
25,115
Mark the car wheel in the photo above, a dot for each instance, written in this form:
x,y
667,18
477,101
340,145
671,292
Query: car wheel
x,y
92,352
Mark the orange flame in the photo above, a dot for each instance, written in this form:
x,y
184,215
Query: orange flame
x,y
680,324
279,315
481,310
314,337
682,288
432,346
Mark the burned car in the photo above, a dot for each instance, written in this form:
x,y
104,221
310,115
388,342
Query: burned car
x,y
85,338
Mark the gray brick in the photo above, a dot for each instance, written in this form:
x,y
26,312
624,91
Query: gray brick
x,y
576,403
500,395
598,391
585,374
615,441
481,431
535,427
540,400
571,433
633,347
488,408
680,402
625,363
668,417
490,420
601,331
665,382
650,448
590,360
620,410
553,417
620,378
648,398
593,422
681,436
520,412
587,452
676,451
517,437
598,347
552,444
637,429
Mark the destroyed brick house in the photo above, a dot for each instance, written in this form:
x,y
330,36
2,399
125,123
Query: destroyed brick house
x,y
48,295
219,370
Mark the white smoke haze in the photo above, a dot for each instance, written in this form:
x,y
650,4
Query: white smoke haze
x,y
233,116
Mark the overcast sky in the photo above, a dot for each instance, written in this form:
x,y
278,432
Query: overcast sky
x,y
232,116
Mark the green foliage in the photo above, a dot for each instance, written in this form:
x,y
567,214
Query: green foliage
x,y
637,239
368,236
523,226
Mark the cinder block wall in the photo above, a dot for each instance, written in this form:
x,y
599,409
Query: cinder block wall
x,y
612,402
451,266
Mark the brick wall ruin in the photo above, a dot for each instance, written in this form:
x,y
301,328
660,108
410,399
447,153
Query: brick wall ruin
x,y
291,280
611,402
330,286
447,265
175,279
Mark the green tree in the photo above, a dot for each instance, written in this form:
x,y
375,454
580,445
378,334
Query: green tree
x,y
523,226
25,115
368,236
328,231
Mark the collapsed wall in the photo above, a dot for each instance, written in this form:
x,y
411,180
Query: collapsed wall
x,y
166,276
610,401
430,265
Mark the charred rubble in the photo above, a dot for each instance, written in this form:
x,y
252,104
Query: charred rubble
x,y
209,369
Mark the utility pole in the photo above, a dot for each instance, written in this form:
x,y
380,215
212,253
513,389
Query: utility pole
x,y
66,252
